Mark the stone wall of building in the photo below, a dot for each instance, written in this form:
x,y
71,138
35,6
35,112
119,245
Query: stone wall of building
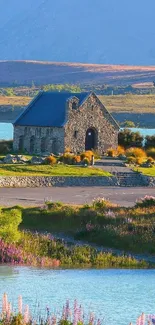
x,y
39,140
91,114
57,181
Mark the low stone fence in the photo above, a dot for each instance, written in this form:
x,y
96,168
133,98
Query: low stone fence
x,y
57,181
150,181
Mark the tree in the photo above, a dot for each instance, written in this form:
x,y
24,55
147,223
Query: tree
x,y
150,141
127,139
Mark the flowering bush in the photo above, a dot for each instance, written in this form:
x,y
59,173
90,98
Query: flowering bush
x,y
10,253
110,214
147,201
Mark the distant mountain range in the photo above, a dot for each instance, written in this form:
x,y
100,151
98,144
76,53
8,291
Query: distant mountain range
x,y
41,73
89,31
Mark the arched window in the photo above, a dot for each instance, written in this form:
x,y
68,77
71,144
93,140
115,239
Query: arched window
x,y
74,105
21,143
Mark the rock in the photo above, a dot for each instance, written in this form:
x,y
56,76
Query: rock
x,y
21,157
10,159
37,160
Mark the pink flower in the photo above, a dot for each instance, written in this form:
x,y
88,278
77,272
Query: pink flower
x,y
26,314
20,305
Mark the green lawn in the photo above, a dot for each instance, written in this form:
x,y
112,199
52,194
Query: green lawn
x,y
147,171
46,170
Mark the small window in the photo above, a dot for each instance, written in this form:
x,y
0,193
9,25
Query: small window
x,y
75,134
74,105
92,107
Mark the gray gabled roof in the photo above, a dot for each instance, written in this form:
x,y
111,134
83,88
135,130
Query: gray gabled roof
x,y
47,109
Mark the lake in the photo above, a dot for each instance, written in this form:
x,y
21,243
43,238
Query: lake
x,y
118,296
6,131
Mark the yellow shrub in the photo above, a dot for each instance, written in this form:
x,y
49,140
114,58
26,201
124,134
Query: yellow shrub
x,y
67,150
120,150
111,152
131,160
87,154
51,160
150,160
76,159
67,158
136,152
139,160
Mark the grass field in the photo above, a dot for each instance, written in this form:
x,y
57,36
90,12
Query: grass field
x,y
117,103
130,229
46,170
129,103
14,101
147,171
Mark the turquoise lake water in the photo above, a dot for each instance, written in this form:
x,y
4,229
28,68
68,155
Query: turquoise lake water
x,y
6,131
117,296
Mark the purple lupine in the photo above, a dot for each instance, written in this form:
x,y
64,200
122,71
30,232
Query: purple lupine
x,y
75,315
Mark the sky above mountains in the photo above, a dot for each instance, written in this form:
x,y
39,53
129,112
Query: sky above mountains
x,y
88,31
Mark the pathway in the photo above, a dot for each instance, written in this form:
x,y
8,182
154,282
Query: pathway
x,y
125,196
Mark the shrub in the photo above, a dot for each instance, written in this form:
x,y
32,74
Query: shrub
x,y
53,205
139,160
131,160
100,203
86,161
120,150
50,160
67,158
9,222
76,159
135,152
147,201
87,154
111,152
68,150
151,152
150,160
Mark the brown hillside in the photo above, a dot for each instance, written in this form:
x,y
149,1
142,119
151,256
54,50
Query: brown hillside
x,y
24,72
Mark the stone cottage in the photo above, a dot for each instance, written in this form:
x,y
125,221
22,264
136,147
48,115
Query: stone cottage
x,y
53,122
